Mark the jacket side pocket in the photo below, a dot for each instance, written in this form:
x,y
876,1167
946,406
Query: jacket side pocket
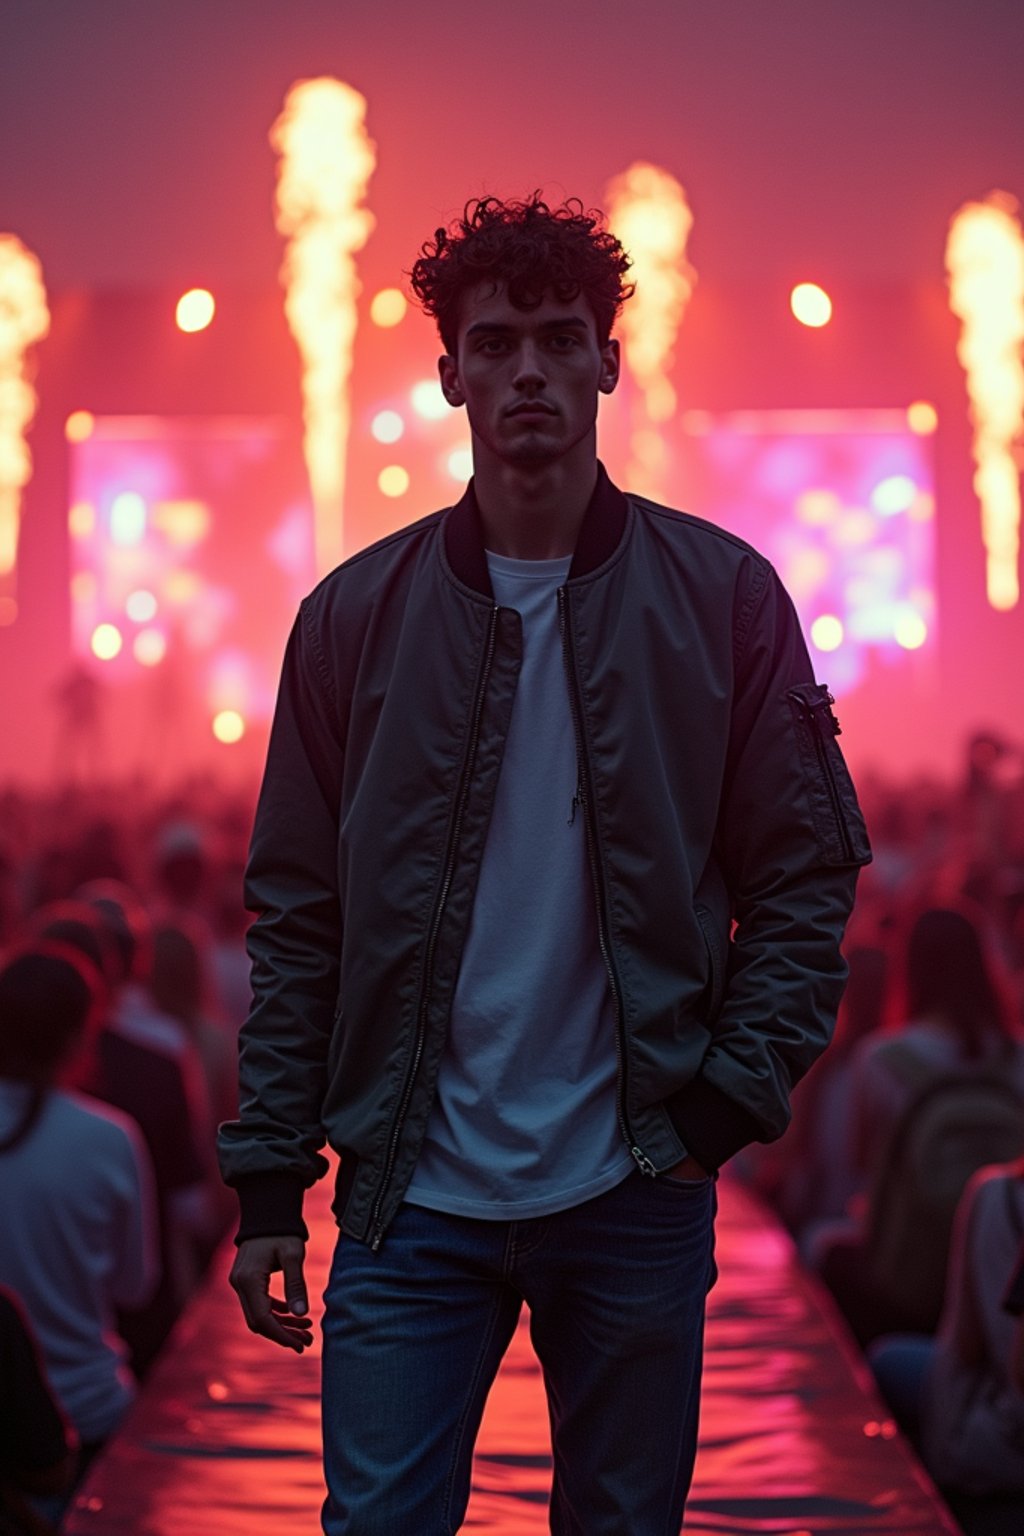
x,y
838,824
716,961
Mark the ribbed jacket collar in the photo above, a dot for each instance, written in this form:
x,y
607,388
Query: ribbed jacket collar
x,y
603,525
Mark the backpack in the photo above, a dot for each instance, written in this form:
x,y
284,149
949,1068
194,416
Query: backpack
x,y
955,1123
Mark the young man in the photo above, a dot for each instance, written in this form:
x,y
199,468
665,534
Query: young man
x,y
551,865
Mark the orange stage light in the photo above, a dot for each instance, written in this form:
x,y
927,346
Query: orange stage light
x,y
922,418
149,647
106,642
79,426
394,480
827,632
388,307
82,520
195,310
910,631
811,305
228,726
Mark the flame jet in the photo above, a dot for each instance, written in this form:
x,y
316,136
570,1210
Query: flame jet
x,y
985,263
24,320
326,161
649,212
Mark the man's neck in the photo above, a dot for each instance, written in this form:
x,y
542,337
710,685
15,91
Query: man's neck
x,y
533,514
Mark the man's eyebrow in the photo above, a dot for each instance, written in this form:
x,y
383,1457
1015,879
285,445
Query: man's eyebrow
x,y
499,328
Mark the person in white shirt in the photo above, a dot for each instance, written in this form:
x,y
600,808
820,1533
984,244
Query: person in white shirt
x,y
76,1192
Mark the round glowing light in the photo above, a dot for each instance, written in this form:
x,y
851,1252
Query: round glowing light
x,y
894,495
228,726
387,427
79,426
811,305
818,507
460,463
149,647
106,641
140,606
827,632
428,401
127,519
394,480
388,307
195,310
8,611
182,522
922,418
182,587
910,631
84,587
81,520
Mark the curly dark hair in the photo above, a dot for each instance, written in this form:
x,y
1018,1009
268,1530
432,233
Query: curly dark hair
x,y
532,249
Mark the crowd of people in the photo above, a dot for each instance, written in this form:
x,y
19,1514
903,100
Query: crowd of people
x,y
123,982
902,1176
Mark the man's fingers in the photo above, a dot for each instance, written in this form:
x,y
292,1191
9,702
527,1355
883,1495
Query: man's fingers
x,y
283,1322
294,1284
273,1319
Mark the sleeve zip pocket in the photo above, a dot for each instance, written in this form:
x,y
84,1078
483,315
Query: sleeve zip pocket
x,y
838,823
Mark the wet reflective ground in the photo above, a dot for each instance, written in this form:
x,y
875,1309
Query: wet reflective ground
x,y
225,1438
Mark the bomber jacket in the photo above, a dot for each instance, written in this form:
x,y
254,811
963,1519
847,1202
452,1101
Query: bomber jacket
x,y
723,831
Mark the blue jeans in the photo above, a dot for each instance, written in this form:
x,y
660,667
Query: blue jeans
x,y
413,1336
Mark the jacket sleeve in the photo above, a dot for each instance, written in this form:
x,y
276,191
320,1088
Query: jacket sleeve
x,y
271,1153
790,840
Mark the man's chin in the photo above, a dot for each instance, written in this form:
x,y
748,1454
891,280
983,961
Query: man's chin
x,y
534,449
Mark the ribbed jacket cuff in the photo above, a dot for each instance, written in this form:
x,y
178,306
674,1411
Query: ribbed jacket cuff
x,y
271,1206
711,1125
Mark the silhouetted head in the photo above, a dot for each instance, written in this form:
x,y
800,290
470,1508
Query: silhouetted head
x,y
79,925
125,920
949,977
48,1000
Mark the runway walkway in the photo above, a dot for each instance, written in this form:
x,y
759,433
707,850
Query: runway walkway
x,y
224,1440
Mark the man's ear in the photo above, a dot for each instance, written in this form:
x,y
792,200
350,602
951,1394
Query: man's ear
x,y
611,363
448,373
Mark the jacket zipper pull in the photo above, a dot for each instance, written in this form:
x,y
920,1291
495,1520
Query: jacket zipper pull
x,y
577,802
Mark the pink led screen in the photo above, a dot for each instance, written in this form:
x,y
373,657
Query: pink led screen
x,y
191,545
843,503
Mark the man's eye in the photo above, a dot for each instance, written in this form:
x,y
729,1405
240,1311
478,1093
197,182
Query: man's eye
x,y
563,343
492,345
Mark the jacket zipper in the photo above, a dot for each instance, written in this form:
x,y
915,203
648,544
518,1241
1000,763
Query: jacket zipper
x,y
451,856
819,714
581,800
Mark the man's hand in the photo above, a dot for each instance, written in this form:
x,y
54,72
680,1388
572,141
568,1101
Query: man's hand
x,y
285,1322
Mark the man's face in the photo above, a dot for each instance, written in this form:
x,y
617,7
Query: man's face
x,y
529,379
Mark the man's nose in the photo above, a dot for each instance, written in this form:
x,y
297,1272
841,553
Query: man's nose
x,y
529,372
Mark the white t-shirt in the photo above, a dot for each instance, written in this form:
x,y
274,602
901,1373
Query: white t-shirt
x,y
525,1121
77,1239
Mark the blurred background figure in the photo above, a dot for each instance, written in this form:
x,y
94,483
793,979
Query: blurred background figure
x,y
38,1448
930,1103
956,1395
76,1191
